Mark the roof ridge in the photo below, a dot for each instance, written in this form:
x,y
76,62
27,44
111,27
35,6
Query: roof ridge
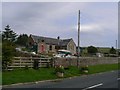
x,y
67,39
45,37
50,37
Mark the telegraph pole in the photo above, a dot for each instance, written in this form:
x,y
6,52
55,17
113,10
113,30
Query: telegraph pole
x,y
78,52
116,44
116,48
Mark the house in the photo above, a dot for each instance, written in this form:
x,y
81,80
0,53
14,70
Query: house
x,y
47,44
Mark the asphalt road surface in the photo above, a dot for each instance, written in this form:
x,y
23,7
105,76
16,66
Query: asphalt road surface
x,y
102,80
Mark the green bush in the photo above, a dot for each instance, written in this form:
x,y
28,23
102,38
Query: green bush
x,y
84,69
48,65
36,64
8,51
59,69
26,67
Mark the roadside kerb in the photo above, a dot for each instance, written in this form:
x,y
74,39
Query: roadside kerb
x,y
35,82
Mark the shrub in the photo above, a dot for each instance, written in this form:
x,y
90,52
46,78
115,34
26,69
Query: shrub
x,y
26,67
48,65
59,69
84,69
112,51
36,64
92,50
8,50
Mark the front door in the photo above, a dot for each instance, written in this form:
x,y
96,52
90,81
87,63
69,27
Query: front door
x,y
42,48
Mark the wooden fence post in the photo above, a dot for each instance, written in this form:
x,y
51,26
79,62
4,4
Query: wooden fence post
x,y
31,61
20,62
54,62
40,63
47,63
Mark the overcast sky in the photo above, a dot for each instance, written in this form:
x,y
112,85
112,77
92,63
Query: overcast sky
x,y
98,20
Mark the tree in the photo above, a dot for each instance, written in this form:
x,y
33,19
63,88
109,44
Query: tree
x,y
8,46
22,40
92,50
112,51
8,34
8,51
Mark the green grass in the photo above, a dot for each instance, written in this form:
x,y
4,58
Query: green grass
x,y
100,49
102,68
103,49
72,71
17,76
0,78
22,75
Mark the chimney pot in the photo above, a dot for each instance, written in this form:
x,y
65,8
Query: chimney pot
x,y
58,37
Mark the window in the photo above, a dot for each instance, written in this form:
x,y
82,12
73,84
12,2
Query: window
x,y
42,40
50,48
30,43
55,47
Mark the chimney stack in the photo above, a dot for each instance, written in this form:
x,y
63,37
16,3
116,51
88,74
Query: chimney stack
x,y
58,37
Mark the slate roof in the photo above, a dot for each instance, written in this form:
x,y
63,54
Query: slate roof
x,y
51,41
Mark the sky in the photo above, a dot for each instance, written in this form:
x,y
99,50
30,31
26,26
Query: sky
x,y
98,20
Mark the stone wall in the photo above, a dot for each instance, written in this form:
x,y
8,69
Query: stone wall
x,y
85,61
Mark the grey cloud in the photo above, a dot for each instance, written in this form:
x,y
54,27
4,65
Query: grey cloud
x,y
53,19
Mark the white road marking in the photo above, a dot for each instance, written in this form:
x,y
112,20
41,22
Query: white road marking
x,y
93,86
118,78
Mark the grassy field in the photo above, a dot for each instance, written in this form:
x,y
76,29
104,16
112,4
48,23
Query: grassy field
x,y
100,49
104,50
22,75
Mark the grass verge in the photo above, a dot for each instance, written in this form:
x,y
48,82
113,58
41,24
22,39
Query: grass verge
x,y
31,75
102,68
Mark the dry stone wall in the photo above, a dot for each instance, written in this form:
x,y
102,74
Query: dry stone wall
x,y
85,61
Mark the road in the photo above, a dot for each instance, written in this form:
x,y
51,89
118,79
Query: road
x,y
101,80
